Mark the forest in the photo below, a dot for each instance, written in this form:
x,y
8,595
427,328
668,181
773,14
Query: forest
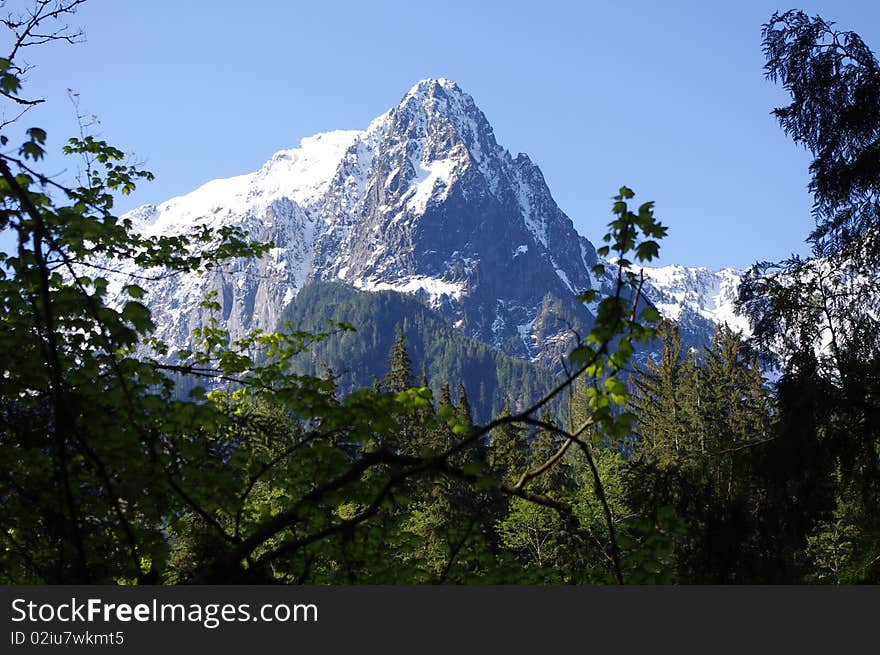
x,y
123,461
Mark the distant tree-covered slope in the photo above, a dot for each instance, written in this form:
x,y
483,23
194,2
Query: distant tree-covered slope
x,y
442,353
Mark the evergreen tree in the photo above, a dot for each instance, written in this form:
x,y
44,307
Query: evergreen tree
x,y
330,377
508,450
446,396
736,405
400,374
545,444
464,407
698,423
656,398
834,81
538,535
819,315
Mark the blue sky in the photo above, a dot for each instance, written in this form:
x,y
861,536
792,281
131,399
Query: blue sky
x,y
666,97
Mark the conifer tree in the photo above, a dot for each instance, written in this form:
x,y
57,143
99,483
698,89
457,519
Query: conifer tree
x,y
696,419
821,313
656,399
545,444
691,400
464,407
412,433
330,377
736,402
449,517
400,374
508,448
446,396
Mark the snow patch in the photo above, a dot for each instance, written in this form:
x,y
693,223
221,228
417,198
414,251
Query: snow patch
x,y
434,287
711,294
525,334
428,178
498,324
564,278
301,174
533,222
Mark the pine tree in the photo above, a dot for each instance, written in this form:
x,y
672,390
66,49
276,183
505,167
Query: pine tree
x,y
330,377
508,450
695,418
446,396
411,435
736,402
451,517
400,374
656,398
545,444
690,397
463,411
539,537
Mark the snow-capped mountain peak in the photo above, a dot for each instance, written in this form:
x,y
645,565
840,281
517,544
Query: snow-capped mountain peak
x,y
682,293
423,201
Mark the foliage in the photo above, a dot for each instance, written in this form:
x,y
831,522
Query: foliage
x,y
490,377
262,473
703,420
282,465
834,81
817,316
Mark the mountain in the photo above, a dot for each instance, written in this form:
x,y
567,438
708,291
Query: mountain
x,y
697,299
424,201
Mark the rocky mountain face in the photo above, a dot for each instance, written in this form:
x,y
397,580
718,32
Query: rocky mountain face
x,y
424,202
697,299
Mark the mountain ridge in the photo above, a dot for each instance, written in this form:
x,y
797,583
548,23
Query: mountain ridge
x,y
423,201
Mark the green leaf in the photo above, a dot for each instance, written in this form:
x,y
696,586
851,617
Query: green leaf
x,y
647,251
587,296
197,393
134,291
647,209
9,83
138,315
30,150
650,315
37,134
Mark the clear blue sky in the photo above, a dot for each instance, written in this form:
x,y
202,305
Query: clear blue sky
x,y
666,97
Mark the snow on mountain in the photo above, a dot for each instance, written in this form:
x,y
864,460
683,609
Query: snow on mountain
x,y
423,201
679,290
299,174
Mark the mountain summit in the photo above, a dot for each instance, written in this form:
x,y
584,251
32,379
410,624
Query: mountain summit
x,y
425,202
